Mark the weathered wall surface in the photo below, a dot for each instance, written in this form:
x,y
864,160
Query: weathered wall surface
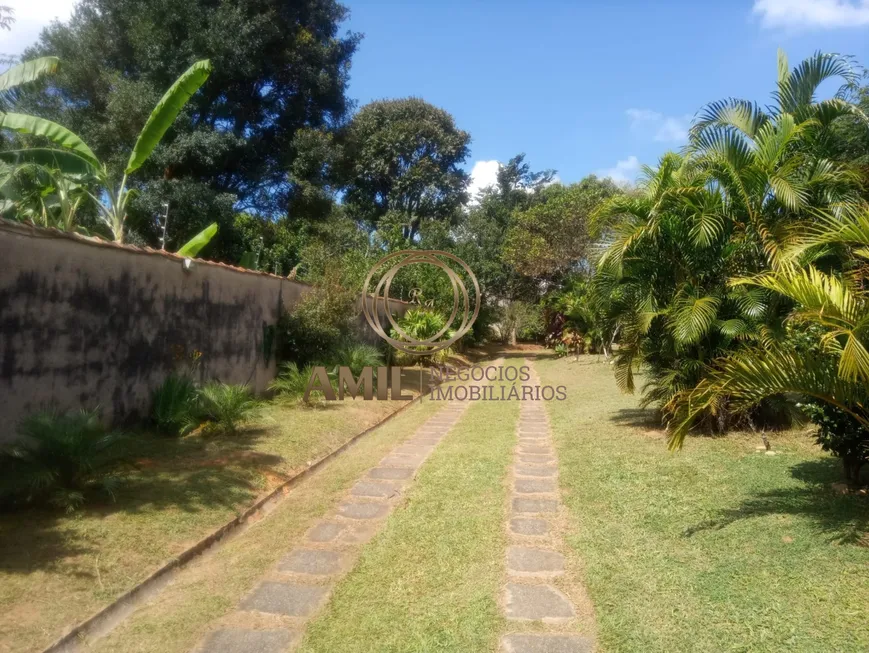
x,y
86,324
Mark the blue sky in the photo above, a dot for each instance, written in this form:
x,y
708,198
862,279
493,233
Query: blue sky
x,y
578,86
587,87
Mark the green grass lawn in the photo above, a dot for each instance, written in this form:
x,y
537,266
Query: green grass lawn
x,y
56,570
430,581
714,548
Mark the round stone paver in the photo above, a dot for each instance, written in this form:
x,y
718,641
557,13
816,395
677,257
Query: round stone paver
x,y
311,561
536,603
523,560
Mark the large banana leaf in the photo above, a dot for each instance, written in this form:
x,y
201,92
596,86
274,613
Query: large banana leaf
x,y
64,161
58,134
28,71
191,247
166,111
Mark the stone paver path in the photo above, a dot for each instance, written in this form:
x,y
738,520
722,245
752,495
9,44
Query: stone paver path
x,y
272,617
535,563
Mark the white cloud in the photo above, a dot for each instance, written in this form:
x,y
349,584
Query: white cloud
x,y
30,18
812,13
624,172
664,129
483,174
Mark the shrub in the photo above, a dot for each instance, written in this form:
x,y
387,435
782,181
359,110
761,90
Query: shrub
x,y
421,324
357,356
322,319
292,381
225,406
60,459
174,404
841,435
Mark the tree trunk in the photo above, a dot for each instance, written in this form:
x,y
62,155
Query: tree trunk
x,y
511,339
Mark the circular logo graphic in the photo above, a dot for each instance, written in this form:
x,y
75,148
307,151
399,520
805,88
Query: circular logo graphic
x,y
375,301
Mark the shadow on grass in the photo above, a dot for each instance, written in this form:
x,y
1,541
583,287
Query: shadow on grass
x,y
641,418
844,518
190,475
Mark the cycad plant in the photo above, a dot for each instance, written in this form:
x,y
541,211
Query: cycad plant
x,y
174,404
422,324
358,356
61,458
292,381
225,407
76,161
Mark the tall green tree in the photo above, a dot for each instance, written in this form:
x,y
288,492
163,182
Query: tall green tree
x,y
402,165
481,235
280,73
552,236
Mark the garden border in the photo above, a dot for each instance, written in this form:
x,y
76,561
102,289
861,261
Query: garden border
x,y
104,621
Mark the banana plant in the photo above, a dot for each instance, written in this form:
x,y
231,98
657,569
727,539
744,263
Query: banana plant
x,y
24,73
75,158
191,247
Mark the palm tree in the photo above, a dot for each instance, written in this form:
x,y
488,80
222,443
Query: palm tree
x,y
75,160
831,313
749,187
769,165
665,271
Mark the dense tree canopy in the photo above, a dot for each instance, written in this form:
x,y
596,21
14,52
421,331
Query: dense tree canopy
x,y
553,234
257,133
402,163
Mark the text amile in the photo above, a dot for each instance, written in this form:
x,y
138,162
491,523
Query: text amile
x,y
445,384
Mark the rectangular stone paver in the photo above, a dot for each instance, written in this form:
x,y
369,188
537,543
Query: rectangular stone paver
x,y
285,598
239,640
532,485
402,460
537,603
532,470
374,489
534,505
363,510
536,458
535,448
413,450
311,561
325,531
529,526
545,644
391,473
522,560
